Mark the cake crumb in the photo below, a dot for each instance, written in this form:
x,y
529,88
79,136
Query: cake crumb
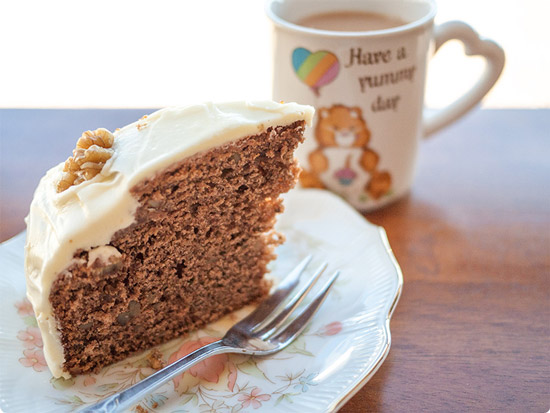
x,y
140,409
155,359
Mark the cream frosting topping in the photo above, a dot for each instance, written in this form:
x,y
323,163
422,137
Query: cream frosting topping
x,y
86,216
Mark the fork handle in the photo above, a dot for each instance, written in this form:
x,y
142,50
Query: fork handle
x,y
128,397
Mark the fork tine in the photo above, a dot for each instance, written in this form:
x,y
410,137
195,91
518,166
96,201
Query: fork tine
x,y
284,288
285,337
279,317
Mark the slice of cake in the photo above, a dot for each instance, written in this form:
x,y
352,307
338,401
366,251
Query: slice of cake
x,y
158,228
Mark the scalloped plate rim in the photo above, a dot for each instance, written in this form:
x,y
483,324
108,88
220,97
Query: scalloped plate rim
x,y
381,357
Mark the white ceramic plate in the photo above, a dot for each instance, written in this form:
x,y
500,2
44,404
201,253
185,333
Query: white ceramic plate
x,y
339,352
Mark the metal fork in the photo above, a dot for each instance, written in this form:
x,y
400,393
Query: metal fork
x,y
261,333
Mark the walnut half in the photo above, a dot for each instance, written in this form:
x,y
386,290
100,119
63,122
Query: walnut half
x,y
92,150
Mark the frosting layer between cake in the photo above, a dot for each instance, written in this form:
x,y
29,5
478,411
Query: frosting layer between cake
x,y
87,215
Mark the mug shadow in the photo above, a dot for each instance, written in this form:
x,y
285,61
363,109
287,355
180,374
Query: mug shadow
x,y
419,231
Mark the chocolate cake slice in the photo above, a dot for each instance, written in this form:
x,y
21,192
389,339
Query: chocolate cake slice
x,y
158,228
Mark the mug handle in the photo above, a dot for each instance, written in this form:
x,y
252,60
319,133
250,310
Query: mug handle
x,y
474,45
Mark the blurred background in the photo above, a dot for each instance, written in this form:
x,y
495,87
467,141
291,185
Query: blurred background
x,y
136,54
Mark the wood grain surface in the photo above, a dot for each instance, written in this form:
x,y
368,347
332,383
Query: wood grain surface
x,y
472,329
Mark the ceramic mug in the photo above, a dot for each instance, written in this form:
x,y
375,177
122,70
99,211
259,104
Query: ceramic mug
x,y
368,91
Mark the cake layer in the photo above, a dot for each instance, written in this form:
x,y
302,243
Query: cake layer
x,y
197,250
88,215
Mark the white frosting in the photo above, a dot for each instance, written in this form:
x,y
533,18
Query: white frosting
x,y
103,254
86,216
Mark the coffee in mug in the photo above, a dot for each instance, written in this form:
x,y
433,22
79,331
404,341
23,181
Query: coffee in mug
x,y
362,65
350,21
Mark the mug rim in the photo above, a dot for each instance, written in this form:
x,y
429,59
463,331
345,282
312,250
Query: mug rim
x,y
425,20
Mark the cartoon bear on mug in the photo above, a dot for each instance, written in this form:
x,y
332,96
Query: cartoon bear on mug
x,y
343,162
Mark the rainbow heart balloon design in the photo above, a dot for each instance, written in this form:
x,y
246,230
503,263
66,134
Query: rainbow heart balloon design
x,y
315,69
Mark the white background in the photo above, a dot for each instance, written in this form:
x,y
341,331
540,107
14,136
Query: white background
x,y
118,53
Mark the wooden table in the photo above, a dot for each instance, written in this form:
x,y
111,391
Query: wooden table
x,y
472,329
